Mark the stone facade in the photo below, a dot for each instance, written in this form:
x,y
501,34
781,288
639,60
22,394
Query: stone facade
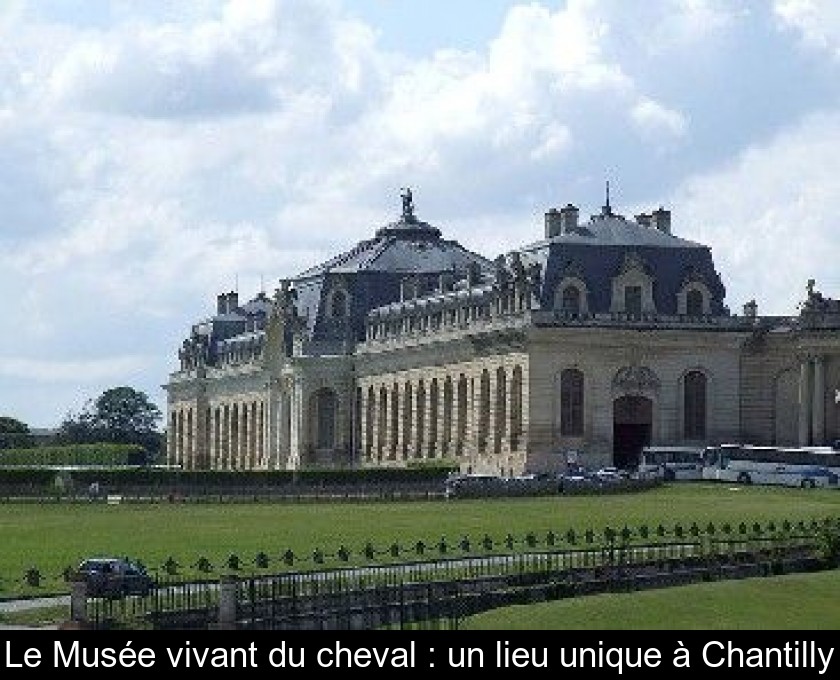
x,y
596,340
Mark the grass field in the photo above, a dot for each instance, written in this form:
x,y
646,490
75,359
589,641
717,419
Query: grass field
x,y
790,602
51,537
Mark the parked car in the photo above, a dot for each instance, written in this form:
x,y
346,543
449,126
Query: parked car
x,y
578,480
610,475
115,577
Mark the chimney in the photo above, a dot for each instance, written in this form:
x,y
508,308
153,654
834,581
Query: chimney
x,y
751,309
232,302
568,218
643,219
221,304
553,226
446,281
662,220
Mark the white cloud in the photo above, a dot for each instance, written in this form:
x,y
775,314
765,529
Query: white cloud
x,y
770,216
153,155
654,119
818,21
73,372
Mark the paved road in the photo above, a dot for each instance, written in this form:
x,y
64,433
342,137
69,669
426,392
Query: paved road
x,y
7,606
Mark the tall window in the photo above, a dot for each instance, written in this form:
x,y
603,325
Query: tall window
x,y
326,412
694,303
516,408
695,405
571,403
484,411
571,300
369,412
633,301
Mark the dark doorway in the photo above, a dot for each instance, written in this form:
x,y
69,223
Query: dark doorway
x,y
632,425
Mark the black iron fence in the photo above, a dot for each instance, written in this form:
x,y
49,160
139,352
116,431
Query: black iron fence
x,y
439,590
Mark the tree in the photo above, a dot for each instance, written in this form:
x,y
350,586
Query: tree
x,y
121,415
14,434
10,425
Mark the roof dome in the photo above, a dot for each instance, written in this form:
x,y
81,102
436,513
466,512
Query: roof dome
x,y
406,246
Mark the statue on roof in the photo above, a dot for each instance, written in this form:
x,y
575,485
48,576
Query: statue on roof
x,y
407,205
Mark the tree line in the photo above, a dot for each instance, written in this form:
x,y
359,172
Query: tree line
x,y
120,415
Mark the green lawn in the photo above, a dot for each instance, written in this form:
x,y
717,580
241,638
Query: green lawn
x,y
51,537
791,602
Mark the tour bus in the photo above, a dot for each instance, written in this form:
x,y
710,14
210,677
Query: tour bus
x,y
805,467
672,462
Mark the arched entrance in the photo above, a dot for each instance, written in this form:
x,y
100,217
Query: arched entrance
x,y
632,426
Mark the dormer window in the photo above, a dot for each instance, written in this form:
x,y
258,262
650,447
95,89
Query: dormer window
x,y
633,301
570,297
694,300
571,301
694,303
632,289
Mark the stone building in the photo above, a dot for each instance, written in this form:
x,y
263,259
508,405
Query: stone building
x,y
602,336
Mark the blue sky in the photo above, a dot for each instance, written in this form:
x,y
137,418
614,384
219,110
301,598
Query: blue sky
x,y
154,154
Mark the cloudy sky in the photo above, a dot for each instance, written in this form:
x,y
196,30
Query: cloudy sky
x,y
156,153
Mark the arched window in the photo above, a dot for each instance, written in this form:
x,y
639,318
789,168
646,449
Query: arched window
x,y
338,304
421,419
501,404
516,408
446,443
484,411
369,413
434,397
571,301
395,418
694,402
382,423
694,303
462,413
571,403
407,420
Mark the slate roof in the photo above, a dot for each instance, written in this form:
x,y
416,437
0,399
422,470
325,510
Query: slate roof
x,y
596,251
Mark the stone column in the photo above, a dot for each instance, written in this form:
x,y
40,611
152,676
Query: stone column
x,y
228,609
805,395
224,439
818,404
399,435
78,601
283,443
297,433
171,433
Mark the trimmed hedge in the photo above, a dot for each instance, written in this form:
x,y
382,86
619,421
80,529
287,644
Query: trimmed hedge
x,y
222,479
75,454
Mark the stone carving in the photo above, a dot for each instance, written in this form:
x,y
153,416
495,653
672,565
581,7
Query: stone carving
x,y
693,275
535,276
635,379
407,205
633,262
502,275
517,267
572,270
194,351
